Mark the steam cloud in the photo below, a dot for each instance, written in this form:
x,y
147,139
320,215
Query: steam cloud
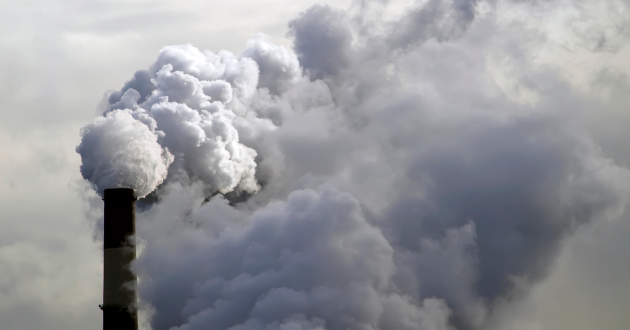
x,y
375,178
121,150
188,100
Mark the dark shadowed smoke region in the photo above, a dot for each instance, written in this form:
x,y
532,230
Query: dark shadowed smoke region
x,y
522,185
367,180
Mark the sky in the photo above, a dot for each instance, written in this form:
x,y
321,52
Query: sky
x,y
391,164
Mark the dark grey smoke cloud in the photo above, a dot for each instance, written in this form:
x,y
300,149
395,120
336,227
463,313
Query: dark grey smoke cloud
x,y
442,20
374,179
525,184
322,39
312,261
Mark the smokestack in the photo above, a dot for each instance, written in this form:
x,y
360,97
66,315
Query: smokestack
x,y
119,282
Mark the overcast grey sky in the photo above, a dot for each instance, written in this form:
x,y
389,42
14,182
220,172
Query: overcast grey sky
x,y
392,102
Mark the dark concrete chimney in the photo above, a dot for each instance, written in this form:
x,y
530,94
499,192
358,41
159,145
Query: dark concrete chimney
x,y
119,282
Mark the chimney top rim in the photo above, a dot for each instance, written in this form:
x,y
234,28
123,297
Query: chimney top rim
x,y
119,193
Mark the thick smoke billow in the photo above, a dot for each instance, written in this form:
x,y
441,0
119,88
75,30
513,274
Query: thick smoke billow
x,y
312,262
411,169
189,100
121,150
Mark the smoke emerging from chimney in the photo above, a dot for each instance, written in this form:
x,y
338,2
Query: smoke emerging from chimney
x,y
172,122
381,175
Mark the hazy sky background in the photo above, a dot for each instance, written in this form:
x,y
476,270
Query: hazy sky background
x,y
59,58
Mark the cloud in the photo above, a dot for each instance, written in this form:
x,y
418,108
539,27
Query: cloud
x,y
188,99
442,20
312,262
322,40
119,150
279,68
393,177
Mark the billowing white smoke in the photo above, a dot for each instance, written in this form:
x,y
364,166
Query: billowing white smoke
x,y
185,106
121,150
378,177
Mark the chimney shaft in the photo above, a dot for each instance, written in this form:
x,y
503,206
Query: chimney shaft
x,y
119,282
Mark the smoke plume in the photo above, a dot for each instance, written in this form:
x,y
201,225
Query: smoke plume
x,y
385,174
121,150
183,101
